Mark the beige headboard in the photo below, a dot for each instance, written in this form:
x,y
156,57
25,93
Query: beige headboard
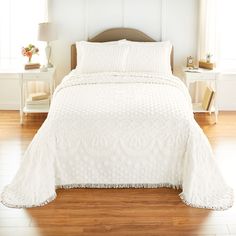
x,y
117,34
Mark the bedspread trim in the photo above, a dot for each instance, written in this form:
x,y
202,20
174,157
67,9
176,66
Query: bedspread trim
x,y
166,185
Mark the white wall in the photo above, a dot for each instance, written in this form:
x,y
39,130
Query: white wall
x,y
174,20
81,19
9,91
226,92
181,30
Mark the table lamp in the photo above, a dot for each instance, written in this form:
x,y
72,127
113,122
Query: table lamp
x,y
47,33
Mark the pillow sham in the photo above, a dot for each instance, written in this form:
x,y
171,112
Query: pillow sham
x,y
124,56
100,57
149,57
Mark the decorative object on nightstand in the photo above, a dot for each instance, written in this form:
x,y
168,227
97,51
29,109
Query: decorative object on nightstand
x,y
35,102
43,68
210,77
207,64
29,51
208,99
208,57
32,66
47,33
37,96
190,62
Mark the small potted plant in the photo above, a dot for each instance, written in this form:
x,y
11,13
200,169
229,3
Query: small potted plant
x,y
29,51
208,57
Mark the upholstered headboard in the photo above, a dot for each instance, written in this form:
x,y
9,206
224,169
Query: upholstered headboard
x,y
117,34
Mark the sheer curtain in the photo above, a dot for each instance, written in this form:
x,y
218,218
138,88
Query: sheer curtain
x,y
19,21
208,38
227,35
18,27
217,34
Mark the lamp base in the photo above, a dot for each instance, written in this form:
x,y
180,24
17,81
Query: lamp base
x,y
48,55
49,65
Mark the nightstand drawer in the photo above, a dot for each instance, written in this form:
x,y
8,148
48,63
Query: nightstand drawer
x,y
199,76
36,76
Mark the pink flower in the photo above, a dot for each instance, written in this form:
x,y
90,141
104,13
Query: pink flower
x,y
29,51
29,54
23,51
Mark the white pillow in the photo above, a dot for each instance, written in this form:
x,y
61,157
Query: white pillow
x,y
149,57
100,57
124,56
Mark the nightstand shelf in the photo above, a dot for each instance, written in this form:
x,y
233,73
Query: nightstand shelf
x,y
35,76
197,108
42,109
210,77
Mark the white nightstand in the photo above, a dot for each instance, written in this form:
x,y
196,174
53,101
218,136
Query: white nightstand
x,y
34,75
211,78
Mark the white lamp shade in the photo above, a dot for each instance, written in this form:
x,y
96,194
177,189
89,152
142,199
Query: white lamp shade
x,y
47,32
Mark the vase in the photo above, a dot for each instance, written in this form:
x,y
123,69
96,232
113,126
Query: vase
x,y
29,60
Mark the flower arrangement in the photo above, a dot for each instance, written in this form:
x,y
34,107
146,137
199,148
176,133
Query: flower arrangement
x,y
29,51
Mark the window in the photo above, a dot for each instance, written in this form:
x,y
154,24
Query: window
x,y
227,32
18,27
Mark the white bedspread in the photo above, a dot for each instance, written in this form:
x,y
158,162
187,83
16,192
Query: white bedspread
x,y
119,130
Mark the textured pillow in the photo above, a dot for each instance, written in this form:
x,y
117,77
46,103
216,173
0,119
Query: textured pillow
x,y
149,57
100,57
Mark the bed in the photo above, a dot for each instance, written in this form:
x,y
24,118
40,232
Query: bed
x,y
115,124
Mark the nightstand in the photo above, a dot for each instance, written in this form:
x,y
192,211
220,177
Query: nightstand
x,y
35,75
211,78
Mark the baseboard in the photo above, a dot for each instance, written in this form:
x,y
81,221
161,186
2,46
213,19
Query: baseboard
x,y
9,106
229,109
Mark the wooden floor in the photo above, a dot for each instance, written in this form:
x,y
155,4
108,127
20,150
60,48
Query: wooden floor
x,y
115,211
